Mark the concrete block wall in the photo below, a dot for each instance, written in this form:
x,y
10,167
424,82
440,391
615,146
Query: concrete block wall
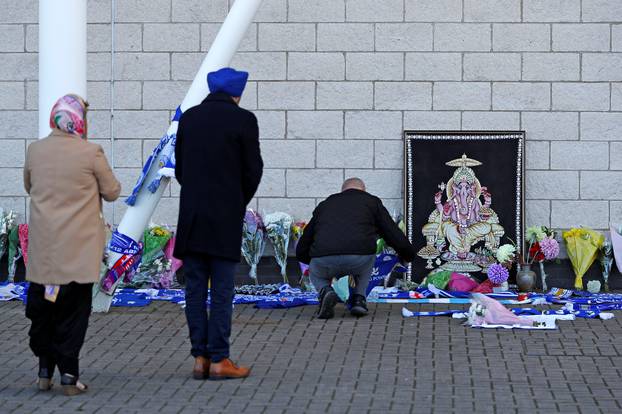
x,y
335,82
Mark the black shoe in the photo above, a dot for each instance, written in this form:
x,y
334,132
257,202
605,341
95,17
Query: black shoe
x,y
358,305
328,300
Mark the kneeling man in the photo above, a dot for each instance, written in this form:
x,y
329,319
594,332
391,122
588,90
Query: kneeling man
x,y
341,239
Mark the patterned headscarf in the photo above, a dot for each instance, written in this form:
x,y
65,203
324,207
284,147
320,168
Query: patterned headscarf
x,y
69,115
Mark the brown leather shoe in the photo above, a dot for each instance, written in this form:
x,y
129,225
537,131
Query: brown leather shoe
x,y
226,369
201,368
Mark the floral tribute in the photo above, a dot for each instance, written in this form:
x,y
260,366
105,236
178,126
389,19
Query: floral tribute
x,y
297,230
155,267
253,241
542,247
582,245
7,222
278,228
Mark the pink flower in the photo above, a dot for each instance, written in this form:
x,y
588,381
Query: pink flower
x,y
550,248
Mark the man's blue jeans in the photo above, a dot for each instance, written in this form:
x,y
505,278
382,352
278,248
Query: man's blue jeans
x,y
323,269
209,336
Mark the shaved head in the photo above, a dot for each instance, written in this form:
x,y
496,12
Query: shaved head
x,y
353,183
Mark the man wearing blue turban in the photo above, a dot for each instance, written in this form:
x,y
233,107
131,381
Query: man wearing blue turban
x,y
219,167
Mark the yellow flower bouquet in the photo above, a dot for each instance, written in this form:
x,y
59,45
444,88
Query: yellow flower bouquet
x,y
582,245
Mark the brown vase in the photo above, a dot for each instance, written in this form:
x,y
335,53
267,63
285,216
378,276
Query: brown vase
x,y
525,278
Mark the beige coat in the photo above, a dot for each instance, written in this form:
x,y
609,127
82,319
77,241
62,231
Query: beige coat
x,y
66,178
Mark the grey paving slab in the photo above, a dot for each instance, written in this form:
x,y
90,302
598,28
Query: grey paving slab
x,y
136,360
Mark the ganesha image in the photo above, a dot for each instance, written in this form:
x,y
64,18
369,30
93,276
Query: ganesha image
x,y
463,232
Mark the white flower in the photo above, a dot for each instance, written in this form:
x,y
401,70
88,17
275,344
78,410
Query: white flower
x,y
535,234
505,253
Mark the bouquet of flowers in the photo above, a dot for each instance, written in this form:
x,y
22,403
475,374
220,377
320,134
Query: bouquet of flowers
x,y
18,248
167,279
14,252
542,247
155,238
22,231
278,227
582,245
7,222
297,230
253,241
606,261
152,272
616,244
153,264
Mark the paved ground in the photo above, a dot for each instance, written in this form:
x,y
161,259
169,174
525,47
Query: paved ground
x,y
136,360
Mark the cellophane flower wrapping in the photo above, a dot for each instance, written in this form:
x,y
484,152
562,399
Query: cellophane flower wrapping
x,y
616,242
305,282
253,241
155,238
153,274
167,278
154,268
7,222
278,227
488,311
14,252
582,245
22,231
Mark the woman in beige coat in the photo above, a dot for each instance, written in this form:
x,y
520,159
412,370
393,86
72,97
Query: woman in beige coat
x,y
66,177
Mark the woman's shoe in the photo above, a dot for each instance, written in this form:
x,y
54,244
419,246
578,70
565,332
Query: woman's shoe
x,y
71,385
46,372
45,384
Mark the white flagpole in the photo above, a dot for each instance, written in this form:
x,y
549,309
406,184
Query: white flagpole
x,y
62,54
223,48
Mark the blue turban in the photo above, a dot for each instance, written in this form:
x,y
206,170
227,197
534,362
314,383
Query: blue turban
x,y
227,80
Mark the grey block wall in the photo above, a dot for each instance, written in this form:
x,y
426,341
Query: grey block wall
x,y
335,82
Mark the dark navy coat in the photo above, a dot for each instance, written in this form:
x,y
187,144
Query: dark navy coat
x,y
219,167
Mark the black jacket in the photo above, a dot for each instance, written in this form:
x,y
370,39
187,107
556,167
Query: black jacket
x,y
219,166
350,222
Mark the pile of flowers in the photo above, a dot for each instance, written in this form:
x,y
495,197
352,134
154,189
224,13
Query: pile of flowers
x,y
582,245
542,247
542,244
156,268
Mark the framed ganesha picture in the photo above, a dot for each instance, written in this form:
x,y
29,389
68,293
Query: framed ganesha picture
x,y
463,198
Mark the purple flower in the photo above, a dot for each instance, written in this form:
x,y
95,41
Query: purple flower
x,y
550,248
498,274
253,221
